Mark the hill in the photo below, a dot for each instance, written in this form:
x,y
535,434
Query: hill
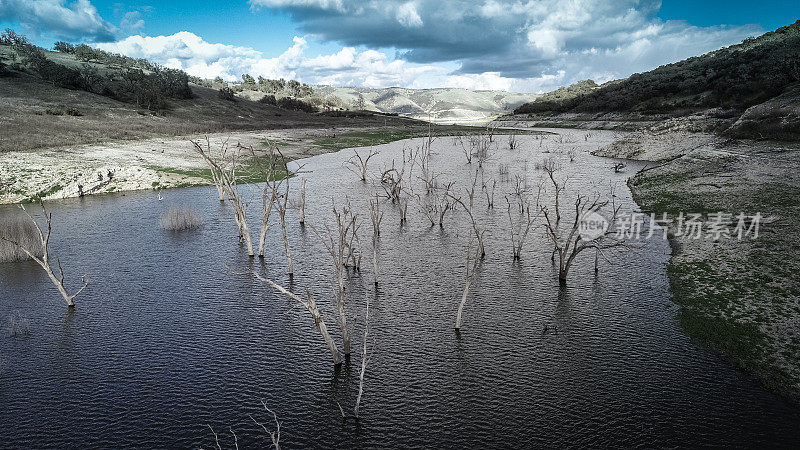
x,y
85,96
444,105
722,84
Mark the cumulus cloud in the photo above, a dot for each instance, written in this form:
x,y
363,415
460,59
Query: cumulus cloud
x,y
523,41
347,67
76,20
132,21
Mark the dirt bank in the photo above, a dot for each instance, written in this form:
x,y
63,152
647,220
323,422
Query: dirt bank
x,y
740,298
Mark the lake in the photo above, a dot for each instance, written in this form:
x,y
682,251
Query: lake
x,y
174,334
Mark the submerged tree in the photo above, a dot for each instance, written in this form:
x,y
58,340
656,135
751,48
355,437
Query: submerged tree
x,y
568,241
341,247
471,266
359,164
310,306
40,253
223,168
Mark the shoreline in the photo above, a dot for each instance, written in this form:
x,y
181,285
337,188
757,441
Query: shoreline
x,y
169,162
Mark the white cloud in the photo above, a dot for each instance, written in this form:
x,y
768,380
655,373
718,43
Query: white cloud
x,y
77,20
408,16
518,39
132,21
347,67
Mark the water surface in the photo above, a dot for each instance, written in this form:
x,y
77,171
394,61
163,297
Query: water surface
x,y
173,334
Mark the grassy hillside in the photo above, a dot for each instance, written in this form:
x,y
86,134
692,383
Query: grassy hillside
x,y
50,99
731,80
441,104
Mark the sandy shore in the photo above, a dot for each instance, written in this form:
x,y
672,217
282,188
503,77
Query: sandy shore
x,y
145,164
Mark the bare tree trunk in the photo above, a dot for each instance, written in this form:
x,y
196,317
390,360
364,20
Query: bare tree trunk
x,y
44,260
303,202
470,274
364,361
286,244
311,307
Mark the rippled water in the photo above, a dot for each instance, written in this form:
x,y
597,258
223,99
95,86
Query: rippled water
x,y
172,334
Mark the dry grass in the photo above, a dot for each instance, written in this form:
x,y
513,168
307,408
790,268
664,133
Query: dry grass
x,y
17,326
24,102
21,231
181,218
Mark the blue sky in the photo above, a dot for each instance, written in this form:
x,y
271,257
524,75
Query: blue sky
x,y
522,45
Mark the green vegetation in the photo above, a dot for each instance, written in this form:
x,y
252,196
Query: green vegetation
x,y
43,194
126,79
370,138
734,77
249,172
737,297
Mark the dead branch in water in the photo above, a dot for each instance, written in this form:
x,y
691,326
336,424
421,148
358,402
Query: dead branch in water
x,y
223,167
377,216
468,209
364,360
303,201
518,234
471,267
310,306
359,164
568,242
340,246
40,253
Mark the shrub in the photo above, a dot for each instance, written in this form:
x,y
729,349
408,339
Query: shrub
x,y
18,229
268,100
17,326
84,52
181,218
64,47
63,111
295,104
226,93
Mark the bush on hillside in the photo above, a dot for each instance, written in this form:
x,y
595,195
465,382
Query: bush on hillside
x,y
295,104
226,93
268,99
64,47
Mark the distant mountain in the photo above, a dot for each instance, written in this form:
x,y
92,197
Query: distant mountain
x,y
724,83
444,105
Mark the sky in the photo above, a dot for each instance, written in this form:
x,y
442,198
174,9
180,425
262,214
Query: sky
x,y
515,45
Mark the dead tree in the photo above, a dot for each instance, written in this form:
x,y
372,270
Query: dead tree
x,y
310,306
268,200
365,357
489,193
446,203
377,216
567,241
551,167
512,141
224,167
282,205
303,201
41,255
471,268
392,182
518,234
359,165
468,209
275,436
468,153
339,245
